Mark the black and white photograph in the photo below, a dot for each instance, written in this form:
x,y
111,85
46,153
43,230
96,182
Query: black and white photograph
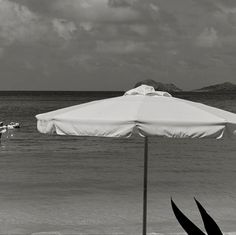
x,y
117,117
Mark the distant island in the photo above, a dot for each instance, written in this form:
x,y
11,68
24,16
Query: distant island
x,y
169,87
222,87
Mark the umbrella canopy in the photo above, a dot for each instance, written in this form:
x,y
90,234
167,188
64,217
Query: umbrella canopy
x,y
142,111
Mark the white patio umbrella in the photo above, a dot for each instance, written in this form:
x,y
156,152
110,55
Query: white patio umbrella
x,y
141,111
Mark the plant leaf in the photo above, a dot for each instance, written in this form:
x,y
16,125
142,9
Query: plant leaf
x,y
189,227
209,224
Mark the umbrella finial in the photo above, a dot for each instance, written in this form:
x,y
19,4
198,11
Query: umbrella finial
x,y
146,90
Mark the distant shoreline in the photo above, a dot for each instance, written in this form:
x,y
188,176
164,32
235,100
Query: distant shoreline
x,y
118,92
221,88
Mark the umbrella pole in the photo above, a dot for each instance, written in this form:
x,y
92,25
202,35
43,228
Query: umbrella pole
x,y
145,177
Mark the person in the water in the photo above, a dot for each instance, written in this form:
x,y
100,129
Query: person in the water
x,y
2,129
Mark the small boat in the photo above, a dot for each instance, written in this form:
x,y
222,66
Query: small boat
x,y
2,129
13,125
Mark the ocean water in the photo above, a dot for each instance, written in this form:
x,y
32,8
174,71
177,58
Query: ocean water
x,y
76,185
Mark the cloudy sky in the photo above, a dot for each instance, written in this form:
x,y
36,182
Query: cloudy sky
x,y
112,44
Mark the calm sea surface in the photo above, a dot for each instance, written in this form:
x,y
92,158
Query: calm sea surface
x,y
75,185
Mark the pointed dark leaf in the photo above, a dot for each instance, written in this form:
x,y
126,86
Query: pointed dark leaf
x,y
189,227
209,224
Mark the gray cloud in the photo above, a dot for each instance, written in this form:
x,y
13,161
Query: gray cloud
x,y
207,5
1,52
121,47
172,40
95,11
140,29
42,6
65,29
87,26
121,3
18,23
208,38
230,3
